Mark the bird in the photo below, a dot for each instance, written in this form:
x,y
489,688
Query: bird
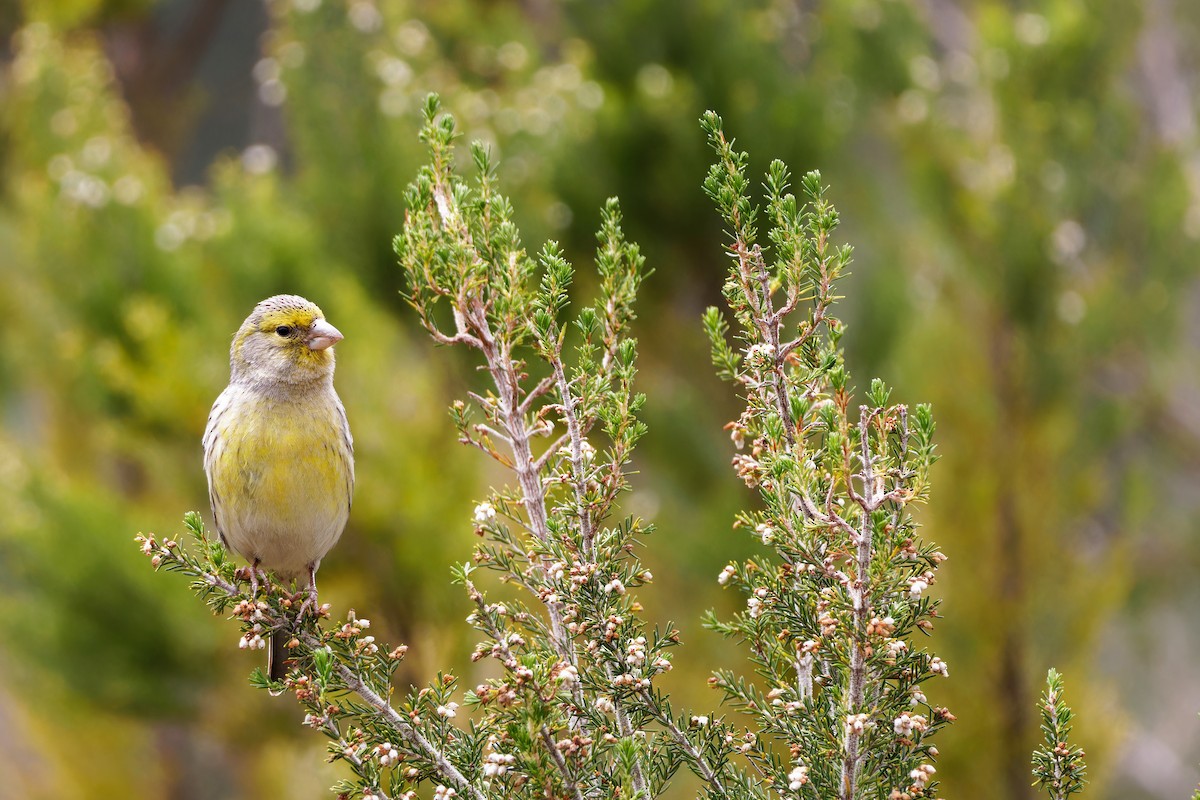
x,y
278,453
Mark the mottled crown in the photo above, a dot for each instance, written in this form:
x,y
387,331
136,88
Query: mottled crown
x,y
290,306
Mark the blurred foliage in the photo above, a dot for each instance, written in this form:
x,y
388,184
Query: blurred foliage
x,y
1022,186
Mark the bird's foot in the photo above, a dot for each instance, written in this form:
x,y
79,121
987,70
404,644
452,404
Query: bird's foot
x,y
310,605
257,572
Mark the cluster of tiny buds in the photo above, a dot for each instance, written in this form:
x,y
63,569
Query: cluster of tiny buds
x,y
858,723
765,532
797,778
448,711
748,469
302,687
567,674
154,550
578,744
586,450
635,656
1063,749
699,721
249,610
881,627
906,724
253,639
580,572
441,792
737,434
938,667
354,749
484,513
605,705
627,679
351,629
758,601
746,745
496,764
610,627
727,573
760,355
776,698
919,583
387,754
635,652
922,775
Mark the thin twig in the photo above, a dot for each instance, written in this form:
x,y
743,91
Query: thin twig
x,y
705,769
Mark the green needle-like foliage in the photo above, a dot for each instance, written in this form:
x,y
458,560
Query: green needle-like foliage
x,y
1058,766
834,604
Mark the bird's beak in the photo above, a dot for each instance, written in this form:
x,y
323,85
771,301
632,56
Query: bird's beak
x,y
323,335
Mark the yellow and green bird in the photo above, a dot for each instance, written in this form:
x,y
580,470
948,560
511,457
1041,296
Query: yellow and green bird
x,y
277,448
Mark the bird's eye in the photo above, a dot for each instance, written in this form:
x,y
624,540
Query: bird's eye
x,y
284,330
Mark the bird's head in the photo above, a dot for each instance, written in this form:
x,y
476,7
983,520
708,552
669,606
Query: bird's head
x,y
285,341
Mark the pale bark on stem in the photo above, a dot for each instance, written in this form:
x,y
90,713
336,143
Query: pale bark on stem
x,y
755,271
560,762
575,432
587,532
504,375
623,725
470,314
852,757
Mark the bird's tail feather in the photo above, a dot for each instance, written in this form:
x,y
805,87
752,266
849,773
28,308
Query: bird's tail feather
x,y
277,654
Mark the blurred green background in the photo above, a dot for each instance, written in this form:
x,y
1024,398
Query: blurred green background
x,y
1021,182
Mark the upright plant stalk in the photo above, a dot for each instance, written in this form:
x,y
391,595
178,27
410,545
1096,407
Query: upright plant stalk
x,y
592,695
832,606
1058,766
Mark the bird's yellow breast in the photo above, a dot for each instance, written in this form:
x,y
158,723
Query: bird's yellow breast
x,y
280,475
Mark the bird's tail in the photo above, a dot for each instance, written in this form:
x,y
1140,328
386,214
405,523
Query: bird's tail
x,y
277,654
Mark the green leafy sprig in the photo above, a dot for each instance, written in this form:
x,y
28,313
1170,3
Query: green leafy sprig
x,y
1058,766
576,705
837,702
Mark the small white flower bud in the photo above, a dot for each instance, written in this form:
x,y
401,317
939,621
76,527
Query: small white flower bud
x,y
484,513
